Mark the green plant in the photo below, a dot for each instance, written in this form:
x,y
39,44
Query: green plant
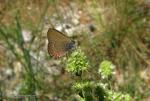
x,y
12,36
77,62
89,90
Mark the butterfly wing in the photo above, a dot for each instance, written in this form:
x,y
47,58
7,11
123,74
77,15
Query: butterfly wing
x,y
59,44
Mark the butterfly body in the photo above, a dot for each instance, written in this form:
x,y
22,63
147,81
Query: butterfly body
x,y
58,43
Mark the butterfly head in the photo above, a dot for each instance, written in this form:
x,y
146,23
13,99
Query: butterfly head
x,y
70,46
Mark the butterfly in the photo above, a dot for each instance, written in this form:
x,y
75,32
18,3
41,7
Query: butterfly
x,y
58,43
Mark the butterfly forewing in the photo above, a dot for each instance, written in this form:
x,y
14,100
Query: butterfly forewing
x,y
54,35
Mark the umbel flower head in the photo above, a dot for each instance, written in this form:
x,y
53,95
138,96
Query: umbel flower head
x,y
77,62
78,86
106,69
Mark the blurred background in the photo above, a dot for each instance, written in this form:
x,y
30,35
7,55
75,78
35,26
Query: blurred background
x,y
114,30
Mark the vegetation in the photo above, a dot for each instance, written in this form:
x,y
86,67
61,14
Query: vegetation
x,y
111,62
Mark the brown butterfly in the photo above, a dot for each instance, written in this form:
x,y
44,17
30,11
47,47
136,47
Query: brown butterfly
x,y
58,43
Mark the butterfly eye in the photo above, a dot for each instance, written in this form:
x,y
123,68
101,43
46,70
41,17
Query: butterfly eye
x,y
70,46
